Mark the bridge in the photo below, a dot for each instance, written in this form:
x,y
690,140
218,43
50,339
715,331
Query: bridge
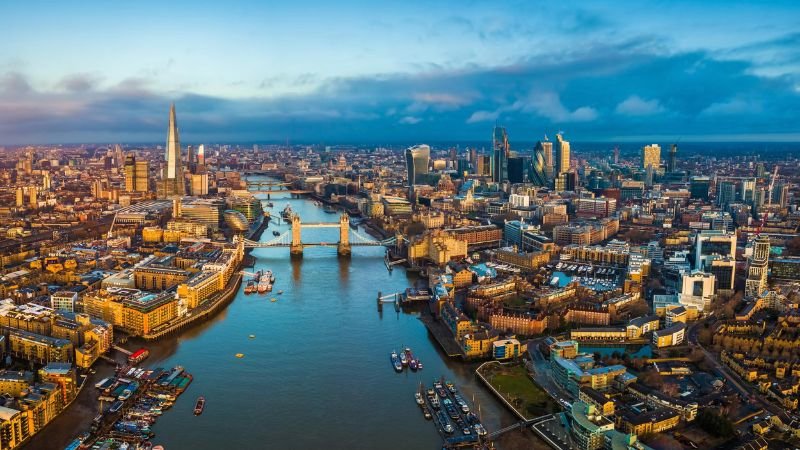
x,y
273,187
292,238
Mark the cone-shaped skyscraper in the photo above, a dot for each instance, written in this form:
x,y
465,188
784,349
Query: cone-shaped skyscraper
x,y
172,182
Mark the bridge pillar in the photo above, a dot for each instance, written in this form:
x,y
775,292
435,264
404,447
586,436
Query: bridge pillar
x,y
344,235
296,248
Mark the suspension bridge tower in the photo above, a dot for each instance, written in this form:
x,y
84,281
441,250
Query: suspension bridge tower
x,y
344,235
296,249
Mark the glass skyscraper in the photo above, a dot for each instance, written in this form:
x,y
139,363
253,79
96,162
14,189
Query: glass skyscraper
x,y
417,159
500,151
539,164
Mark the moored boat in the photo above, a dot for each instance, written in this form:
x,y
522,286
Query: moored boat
x,y
199,406
398,366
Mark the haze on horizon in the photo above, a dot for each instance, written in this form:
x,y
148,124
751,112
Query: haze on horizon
x,y
361,71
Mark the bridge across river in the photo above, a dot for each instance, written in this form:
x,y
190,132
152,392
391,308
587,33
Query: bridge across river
x,y
292,238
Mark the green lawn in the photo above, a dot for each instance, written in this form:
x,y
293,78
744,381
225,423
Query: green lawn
x,y
514,383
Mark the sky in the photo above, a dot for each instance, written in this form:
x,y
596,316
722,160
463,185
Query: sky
x,y
399,71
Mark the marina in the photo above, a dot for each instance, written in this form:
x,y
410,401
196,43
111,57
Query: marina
x,y
135,399
458,425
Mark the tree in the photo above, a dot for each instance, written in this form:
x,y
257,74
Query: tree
x,y
651,378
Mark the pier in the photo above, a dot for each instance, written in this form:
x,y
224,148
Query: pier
x,y
442,335
391,298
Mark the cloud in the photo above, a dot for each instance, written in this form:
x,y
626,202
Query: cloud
x,y
578,92
732,106
410,120
637,106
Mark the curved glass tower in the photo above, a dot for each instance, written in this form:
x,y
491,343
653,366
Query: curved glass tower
x,y
539,166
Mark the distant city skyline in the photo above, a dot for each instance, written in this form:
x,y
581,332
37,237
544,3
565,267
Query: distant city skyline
x,y
360,72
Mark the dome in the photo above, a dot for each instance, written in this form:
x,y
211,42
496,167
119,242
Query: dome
x,y
236,221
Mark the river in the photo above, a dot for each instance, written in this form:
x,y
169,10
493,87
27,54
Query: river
x,y
317,374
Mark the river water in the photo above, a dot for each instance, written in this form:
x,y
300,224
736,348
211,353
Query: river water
x,y
317,374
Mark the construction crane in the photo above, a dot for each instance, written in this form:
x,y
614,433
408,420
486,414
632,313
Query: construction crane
x,y
771,185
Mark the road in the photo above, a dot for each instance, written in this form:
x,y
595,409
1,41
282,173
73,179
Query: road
x,y
730,376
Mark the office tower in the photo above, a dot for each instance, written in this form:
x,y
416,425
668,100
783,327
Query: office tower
x,y
538,165
201,155
172,182
616,155
142,176
756,282
417,160
199,184
699,187
747,190
484,166
761,171
119,156
130,173
562,155
500,151
20,197
651,156
673,156
473,157
33,191
724,271
648,175
726,193
191,159
712,244
780,194
545,148
46,181
517,169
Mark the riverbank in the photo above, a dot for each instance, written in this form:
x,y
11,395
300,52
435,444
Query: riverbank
x,y
512,385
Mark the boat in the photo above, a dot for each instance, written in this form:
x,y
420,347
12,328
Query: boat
x,y
240,355
264,284
116,406
280,292
126,394
427,414
419,365
273,299
276,233
250,287
403,358
412,362
252,336
418,397
398,366
138,356
199,406
450,386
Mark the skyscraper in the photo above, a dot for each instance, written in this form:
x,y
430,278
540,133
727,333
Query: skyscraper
x,y
673,156
172,182
726,193
130,173
538,164
545,147
201,155
500,151
417,160
142,175
756,282
562,154
651,156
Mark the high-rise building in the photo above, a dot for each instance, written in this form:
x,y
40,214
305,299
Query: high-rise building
x,y
538,164
201,155
699,187
562,155
517,169
417,160
20,197
747,189
199,184
172,182
500,154
726,193
33,192
780,194
142,175
616,155
651,156
130,173
191,158
761,171
673,156
756,282
710,245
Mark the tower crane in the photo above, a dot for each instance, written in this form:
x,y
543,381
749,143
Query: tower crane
x,y
771,185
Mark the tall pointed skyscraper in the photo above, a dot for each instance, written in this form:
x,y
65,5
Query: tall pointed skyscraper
x,y
172,182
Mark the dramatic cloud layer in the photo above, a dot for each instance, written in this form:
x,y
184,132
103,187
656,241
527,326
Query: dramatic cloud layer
x,y
597,85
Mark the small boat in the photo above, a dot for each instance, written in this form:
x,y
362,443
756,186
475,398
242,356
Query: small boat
x,y
116,406
419,365
403,359
250,287
398,366
280,292
252,336
427,414
273,299
198,407
418,397
450,386
240,355
412,364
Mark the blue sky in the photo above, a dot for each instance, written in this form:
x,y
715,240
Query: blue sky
x,y
366,71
